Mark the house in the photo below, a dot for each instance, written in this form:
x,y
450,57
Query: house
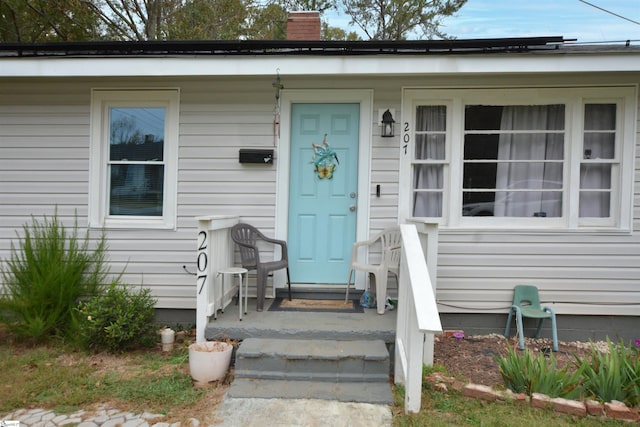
x,y
523,150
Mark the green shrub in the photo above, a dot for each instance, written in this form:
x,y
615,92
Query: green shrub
x,y
46,275
612,375
118,320
530,374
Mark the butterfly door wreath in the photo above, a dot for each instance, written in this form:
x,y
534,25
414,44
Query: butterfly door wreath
x,y
324,159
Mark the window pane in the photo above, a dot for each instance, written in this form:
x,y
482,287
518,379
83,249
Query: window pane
x,y
600,117
513,204
530,146
514,117
525,175
428,177
599,145
427,204
595,176
478,203
534,175
479,175
482,117
136,134
528,203
136,190
522,146
431,118
595,204
430,147
481,146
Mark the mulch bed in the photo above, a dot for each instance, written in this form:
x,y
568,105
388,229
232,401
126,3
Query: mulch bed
x,y
472,358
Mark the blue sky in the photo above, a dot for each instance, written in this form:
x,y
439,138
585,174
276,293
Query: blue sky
x,y
531,18
534,18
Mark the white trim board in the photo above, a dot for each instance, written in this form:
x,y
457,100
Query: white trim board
x,y
321,65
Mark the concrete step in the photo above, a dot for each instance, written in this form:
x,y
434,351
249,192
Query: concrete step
x,y
318,360
378,393
349,371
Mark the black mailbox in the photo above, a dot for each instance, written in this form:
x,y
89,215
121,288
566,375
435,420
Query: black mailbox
x,y
264,157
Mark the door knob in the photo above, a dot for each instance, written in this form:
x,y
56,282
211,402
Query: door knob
x,y
352,208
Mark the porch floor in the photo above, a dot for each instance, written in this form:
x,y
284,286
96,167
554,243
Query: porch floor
x,y
302,325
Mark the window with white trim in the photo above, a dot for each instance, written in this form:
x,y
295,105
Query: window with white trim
x,y
547,157
134,140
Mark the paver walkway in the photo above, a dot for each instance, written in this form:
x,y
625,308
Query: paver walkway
x,y
231,412
100,418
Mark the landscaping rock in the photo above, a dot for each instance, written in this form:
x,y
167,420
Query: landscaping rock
x,y
479,391
620,411
509,396
566,406
539,400
594,408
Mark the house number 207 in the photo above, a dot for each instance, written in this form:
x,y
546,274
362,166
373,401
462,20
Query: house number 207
x,y
203,260
406,137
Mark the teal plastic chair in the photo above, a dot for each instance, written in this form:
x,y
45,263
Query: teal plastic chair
x,y
526,303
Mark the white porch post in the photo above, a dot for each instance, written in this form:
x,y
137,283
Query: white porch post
x,y
214,251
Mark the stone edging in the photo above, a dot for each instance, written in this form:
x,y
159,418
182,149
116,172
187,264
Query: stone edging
x,y
615,410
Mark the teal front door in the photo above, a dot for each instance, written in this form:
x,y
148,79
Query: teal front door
x,y
322,191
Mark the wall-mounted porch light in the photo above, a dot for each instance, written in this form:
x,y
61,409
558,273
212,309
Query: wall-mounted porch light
x,y
387,124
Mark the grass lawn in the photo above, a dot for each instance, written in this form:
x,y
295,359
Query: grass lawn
x,y
453,409
66,380
54,377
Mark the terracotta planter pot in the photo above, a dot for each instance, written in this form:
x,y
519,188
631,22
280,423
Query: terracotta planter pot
x,y
209,360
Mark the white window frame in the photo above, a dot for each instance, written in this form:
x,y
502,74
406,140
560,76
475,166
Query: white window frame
x,y
574,99
101,101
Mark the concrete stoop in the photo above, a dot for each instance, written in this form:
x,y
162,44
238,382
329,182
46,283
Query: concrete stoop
x,y
346,371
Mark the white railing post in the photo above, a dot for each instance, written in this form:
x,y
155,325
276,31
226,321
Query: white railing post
x,y
428,232
417,315
214,251
409,340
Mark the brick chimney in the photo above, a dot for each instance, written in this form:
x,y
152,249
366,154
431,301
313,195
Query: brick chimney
x,y
303,26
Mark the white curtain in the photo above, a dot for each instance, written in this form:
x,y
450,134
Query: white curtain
x,y
430,146
516,170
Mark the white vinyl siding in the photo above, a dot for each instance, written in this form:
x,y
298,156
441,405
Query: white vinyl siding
x,y
581,273
44,163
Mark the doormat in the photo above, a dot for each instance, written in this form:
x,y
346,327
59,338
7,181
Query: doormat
x,y
316,305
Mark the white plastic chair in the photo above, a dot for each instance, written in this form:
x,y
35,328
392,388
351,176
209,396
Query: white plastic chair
x,y
390,262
